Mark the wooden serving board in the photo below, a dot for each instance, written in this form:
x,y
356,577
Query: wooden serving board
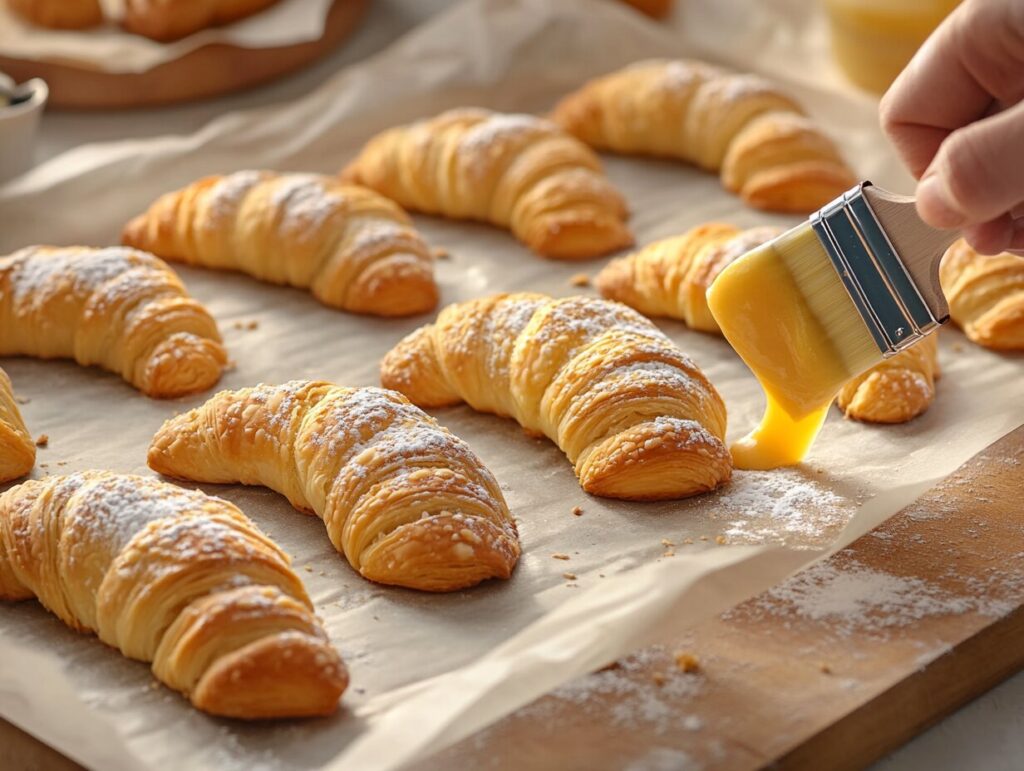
x,y
777,686
205,72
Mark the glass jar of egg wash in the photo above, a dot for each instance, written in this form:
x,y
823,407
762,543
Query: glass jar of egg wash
x,y
872,40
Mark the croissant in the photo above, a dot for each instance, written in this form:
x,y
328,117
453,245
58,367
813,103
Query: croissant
x,y
353,248
897,390
635,416
176,578
403,499
117,308
514,171
671,277
167,20
740,126
161,20
59,14
986,295
17,450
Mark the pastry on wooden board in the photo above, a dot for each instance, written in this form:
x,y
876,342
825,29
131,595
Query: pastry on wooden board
x,y
160,20
17,450
739,126
117,308
352,248
635,416
897,390
986,295
176,578
518,172
406,501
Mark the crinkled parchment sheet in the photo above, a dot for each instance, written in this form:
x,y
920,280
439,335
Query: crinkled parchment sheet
x,y
111,49
427,669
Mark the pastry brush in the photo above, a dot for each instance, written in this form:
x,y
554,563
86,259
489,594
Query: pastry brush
x,y
831,298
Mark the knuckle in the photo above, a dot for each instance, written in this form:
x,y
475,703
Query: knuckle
x,y
966,166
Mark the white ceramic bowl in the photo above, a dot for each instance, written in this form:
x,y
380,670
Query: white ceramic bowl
x,y
19,124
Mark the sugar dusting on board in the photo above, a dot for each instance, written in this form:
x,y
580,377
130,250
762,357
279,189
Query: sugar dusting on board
x,y
851,597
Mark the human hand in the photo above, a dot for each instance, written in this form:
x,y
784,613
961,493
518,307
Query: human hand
x,y
956,116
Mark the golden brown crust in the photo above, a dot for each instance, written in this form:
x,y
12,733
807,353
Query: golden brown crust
x,y
897,390
986,295
671,277
176,578
742,126
634,415
403,499
59,14
116,308
514,171
352,248
167,20
17,450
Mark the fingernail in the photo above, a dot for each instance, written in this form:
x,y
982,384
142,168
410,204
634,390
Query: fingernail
x,y
935,204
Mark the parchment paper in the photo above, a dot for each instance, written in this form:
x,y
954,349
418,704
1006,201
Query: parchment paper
x,y
111,49
428,670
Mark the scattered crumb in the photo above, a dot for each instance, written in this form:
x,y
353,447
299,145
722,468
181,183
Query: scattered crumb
x,y
825,668
658,678
687,662
579,279
440,253
44,465
559,556
231,366
22,399
309,569
577,511
703,538
569,576
958,347
666,542
250,325
62,463
721,539
669,553
687,541
154,685
42,440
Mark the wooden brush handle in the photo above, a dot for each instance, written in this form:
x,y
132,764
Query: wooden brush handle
x,y
919,246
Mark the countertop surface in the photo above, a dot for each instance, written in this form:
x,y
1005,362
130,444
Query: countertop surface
x,y
988,733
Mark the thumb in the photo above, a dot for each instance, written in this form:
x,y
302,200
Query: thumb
x,y
978,173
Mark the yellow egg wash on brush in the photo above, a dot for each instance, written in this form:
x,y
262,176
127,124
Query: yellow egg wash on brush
x,y
774,306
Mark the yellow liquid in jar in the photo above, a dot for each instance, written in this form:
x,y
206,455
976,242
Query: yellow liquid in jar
x,y
872,40
767,320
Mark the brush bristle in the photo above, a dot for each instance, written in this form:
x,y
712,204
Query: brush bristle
x,y
815,276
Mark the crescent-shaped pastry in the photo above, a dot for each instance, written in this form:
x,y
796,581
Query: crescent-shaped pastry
x,y
897,390
352,248
406,501
514,171
120,309
176,578
986,295
17,450
635,416
740,126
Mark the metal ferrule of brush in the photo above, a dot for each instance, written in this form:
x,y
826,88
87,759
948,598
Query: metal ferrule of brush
x,y
879,285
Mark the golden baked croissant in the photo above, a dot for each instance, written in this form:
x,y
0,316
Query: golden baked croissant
x,y
17,450
515,171
176,578
353,248
671,277
167,20
404,500
897,390
161,20
59,14
986,295
741,126
117,308
635,416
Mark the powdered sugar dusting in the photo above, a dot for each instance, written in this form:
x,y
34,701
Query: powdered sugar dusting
x,y
224,197
304,201
498,127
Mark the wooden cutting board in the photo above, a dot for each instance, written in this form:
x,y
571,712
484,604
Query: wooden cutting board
x,y
205,72
785,683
